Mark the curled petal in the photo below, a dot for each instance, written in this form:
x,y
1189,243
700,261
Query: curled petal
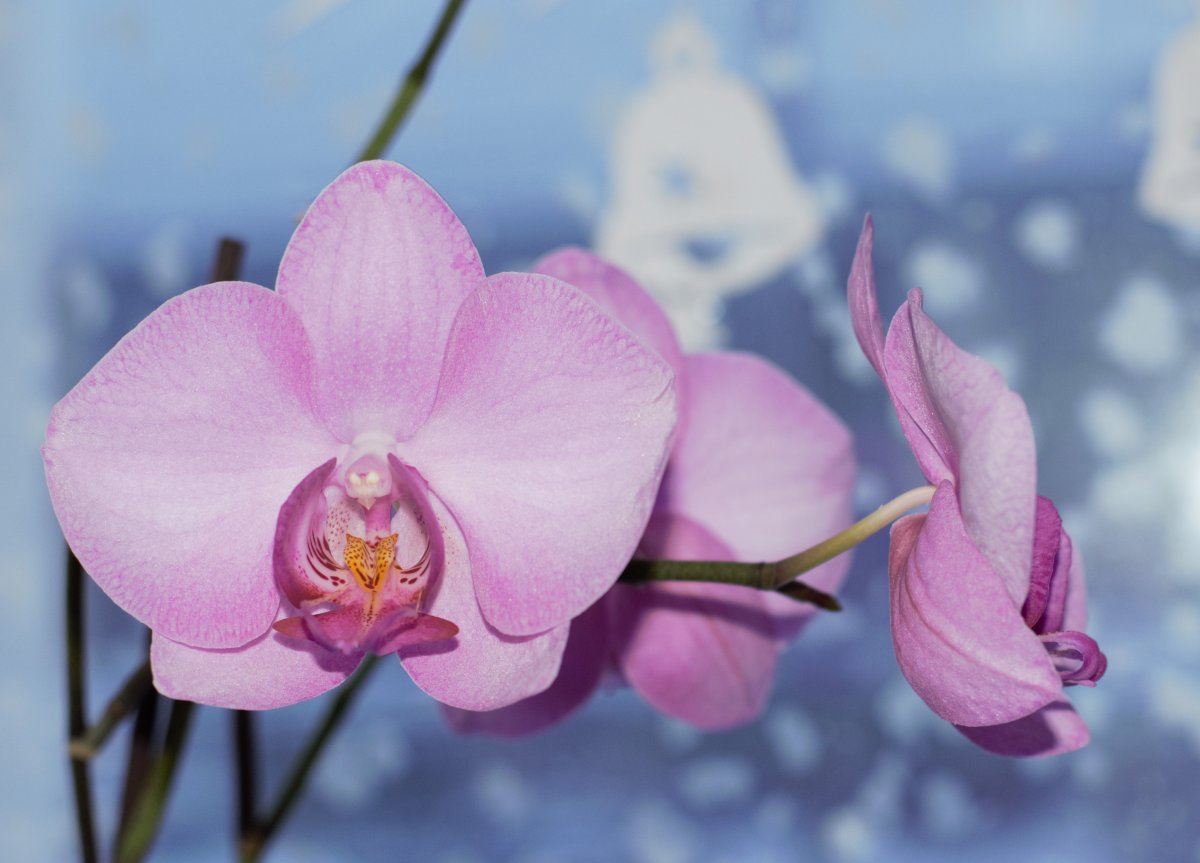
x,y
960,641
1051,730
271,671
377,269
584,662
1076,656
480,669
168,463
1048,574
864,303
960,406
547,442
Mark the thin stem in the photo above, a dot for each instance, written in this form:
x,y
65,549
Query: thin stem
x,y
779,575
146,817
245,743
141,756
410,89
81,775
254,844
88,744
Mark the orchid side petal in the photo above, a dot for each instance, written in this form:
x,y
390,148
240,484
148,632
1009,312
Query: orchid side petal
x,y
377,269
168,463
764,466
271,671
547,442
1051,730
982,429
583,665
703,653
481,668
620,295
961,643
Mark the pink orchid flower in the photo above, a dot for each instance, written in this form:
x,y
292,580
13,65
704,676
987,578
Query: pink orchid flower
x,y
987,595
759,469
390,452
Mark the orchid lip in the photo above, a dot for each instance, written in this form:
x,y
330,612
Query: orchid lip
x,y
1076,656
357,547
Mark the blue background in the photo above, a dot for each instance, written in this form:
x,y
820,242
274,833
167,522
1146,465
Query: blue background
x,y
133,134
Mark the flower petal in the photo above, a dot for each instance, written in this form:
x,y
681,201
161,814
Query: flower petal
x,y
377,269
583,665
762,465
980,428
481,669
960,641
703,653
618,294
864,303
1052,730
168,463
1076,612
271,671
547,442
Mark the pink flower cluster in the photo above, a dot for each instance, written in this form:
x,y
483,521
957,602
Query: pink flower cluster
x,y
393,453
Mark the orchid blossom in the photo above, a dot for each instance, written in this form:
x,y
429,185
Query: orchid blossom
x,y
758,468
987,593
390,453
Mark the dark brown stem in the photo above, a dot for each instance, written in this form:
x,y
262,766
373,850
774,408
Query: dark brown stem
x,y
81,776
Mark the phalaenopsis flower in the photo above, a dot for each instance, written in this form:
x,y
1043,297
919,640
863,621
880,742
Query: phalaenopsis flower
x,y
389,453
759,469
987,594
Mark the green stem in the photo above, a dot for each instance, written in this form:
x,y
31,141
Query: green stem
x,y
81,776
410,89
88,744
147,812
255,842
779,575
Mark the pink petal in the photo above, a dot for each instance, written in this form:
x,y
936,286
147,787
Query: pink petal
x,y
1052,730
764,466
959,639
619,295
1076,614
271,671
481,669
583,665
864,304
980,427
377,270
703,653
547,442
168,463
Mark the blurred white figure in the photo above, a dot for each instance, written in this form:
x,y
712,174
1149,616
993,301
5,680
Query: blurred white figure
x,y
1170,185
705,202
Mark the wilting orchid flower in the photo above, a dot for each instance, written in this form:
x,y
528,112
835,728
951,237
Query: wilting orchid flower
x,y
759,468
389,453
987,592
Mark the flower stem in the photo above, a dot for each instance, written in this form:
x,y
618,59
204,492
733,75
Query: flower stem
x,y
245,743
779,575
146,815
255,841
81,776
88,744
413,84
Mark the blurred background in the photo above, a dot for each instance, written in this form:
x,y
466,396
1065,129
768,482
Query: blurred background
x,y
1033,164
